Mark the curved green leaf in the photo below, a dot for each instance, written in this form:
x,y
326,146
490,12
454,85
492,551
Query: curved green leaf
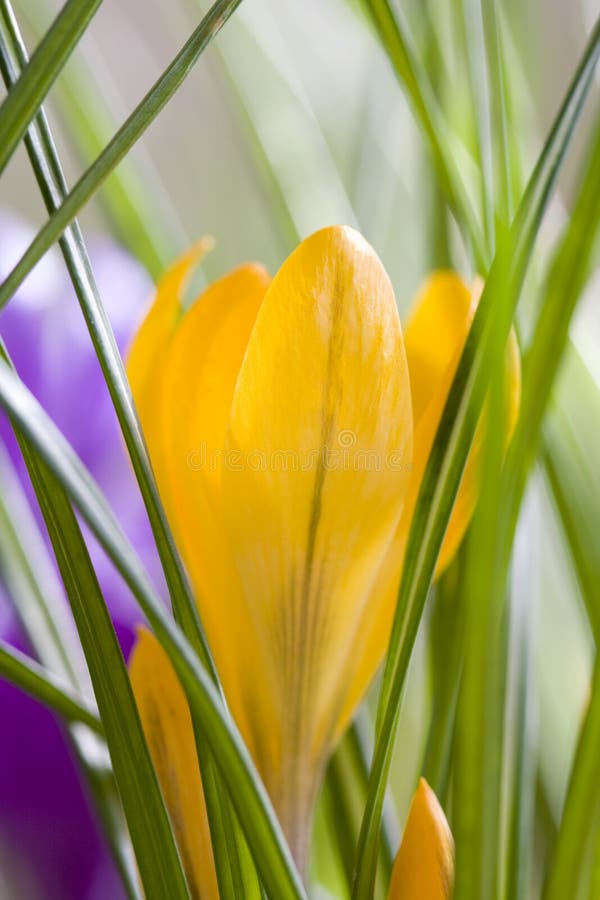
x,y
156,852
36,592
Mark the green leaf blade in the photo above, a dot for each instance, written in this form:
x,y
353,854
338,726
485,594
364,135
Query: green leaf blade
x,y
26,97
448,456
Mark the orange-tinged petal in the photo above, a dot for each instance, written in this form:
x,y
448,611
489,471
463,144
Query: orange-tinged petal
x,y
424,865
167,726
321,425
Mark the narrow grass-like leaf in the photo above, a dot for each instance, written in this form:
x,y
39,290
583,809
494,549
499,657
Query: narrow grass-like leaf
x,y
566,278
42,685
521,762
45,617
156,853
481,707
447,651
473,25
48,171
581,808
33,585
345,790
501,151
255,811
576,492
451,446
122,142
26,97
89,102
393,34
569,481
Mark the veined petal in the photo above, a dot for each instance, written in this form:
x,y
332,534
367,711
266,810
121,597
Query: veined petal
x,y
168,729
424,865
321,427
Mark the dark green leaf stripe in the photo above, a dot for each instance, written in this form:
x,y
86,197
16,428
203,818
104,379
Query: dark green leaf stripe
x,y
262,831
451,446
26,97
125,138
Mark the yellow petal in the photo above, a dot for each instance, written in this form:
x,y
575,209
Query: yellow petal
x,y
283,555
197,383
424,865
321,429
434,336
148,348
191,384
168,729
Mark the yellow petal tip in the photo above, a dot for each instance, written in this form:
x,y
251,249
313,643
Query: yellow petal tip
x,y
424,865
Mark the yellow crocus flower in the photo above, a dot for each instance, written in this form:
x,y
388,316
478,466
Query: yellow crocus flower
x,y
279,420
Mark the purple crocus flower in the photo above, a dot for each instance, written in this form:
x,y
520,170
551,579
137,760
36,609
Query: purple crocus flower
x,y
50,846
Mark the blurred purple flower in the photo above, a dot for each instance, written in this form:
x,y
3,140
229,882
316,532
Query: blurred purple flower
x,y
45,817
